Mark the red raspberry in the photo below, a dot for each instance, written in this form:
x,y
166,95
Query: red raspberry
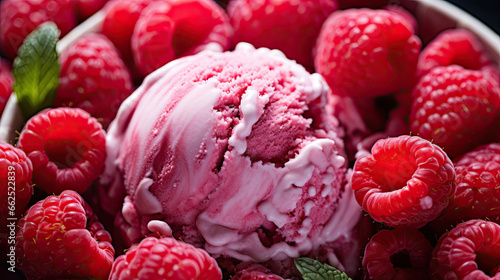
x,y
405,182
167,30
20,17
93,78
60,237
267,24
15,181
477,195
165,258
119,22
86,8
67,148
454,46
254,272
397,254
455,108
469,251
6,81
367,53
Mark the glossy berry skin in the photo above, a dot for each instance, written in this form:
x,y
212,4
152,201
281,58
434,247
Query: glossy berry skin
x,y
453,46
67,148
93,78
470,251
406,181
477,195
267,24
119,22
367,53
167,30
402,253
20,17
165,258
6,81
455,108
60,238
16,187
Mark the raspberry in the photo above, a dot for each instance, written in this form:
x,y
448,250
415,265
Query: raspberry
x,y
455,108
477,195
397,254
93,78
247,271
454,46
60,237
367,53
119,22
469,251
171,29
86,8
267,24
15,181
405,182
165,258
6,81
67,148
20,17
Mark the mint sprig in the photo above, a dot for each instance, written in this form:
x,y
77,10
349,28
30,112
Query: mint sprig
x,y
36,70
314,270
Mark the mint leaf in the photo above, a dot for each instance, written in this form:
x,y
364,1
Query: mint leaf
x,y
36,70
315,270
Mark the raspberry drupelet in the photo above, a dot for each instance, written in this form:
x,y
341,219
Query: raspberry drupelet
x,y
405,182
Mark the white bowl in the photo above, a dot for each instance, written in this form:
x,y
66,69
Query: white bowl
x,y
433,17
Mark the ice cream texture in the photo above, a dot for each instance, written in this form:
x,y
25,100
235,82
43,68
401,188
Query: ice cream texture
x,y
239,147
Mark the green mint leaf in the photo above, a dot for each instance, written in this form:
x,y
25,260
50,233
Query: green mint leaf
x,y
315,270
36,70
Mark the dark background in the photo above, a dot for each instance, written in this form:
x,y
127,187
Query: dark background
x,y
488,11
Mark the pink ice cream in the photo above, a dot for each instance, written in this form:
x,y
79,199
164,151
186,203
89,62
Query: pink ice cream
x,y
237,152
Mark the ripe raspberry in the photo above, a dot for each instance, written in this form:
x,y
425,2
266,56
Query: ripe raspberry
x,y
93,78
119,22
67,148
6,81
477,195
254,272
165,258
60,237
469,251
367,53
20,17
455,108
15,181
454,46
397,254
405,182
86,8
267,24
167,30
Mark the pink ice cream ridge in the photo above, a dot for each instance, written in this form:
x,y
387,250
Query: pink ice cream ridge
x,y
238,150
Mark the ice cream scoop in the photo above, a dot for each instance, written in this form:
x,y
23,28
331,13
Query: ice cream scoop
x,y
235,151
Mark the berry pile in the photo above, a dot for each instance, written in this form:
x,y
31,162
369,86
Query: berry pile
x,y
421,123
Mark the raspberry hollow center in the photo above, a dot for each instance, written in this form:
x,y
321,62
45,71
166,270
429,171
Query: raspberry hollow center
x,y
395,171
401,259
65,152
